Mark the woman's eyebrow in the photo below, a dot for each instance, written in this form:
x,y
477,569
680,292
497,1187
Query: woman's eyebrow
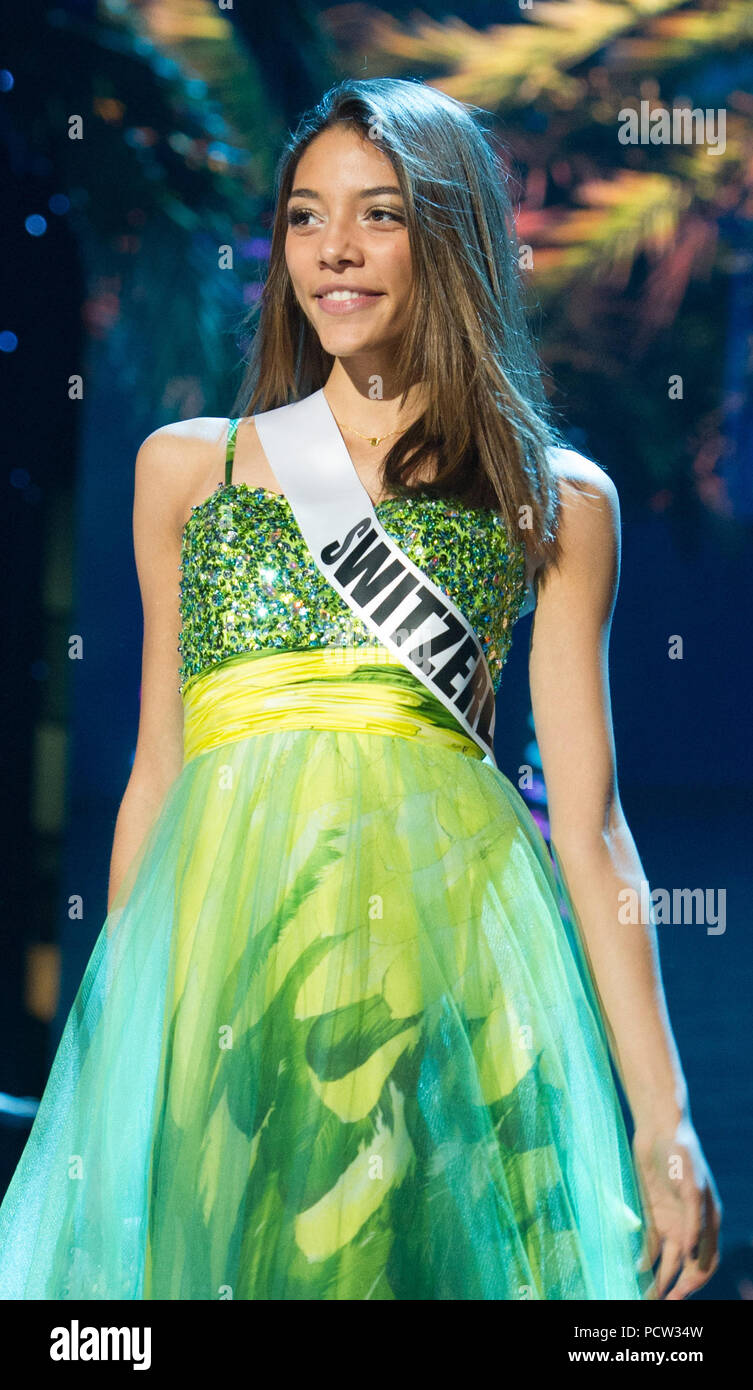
x,y
365,192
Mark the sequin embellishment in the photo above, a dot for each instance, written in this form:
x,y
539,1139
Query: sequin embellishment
x,y
248,581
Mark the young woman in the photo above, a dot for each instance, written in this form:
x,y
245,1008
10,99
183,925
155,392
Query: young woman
x,y
337,1039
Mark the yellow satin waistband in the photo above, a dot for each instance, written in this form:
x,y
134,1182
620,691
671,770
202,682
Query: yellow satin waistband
x,y
351,689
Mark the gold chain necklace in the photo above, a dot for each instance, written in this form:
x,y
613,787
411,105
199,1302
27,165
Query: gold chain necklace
x,y
373,439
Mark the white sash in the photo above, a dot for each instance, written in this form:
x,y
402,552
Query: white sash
x,y
413,618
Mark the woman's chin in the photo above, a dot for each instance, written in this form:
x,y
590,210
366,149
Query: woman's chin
x,y
340,343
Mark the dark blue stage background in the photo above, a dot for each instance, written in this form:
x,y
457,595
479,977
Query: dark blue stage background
x,y
122,311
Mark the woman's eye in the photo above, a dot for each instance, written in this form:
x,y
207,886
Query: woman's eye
x,y
388,212
297,216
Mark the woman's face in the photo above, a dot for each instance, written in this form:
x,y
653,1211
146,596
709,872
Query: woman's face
x,y
347,232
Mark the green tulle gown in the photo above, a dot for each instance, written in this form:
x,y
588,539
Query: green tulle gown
x,y
336,1039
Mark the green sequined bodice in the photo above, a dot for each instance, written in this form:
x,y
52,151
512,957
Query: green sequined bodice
x,y
248,581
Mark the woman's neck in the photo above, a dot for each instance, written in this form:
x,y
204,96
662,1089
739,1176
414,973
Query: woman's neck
x,y
366,400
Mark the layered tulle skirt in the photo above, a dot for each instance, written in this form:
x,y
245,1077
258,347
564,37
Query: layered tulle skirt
x,y
336,1039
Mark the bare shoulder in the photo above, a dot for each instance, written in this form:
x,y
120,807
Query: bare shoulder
x,y
580,477
176,464
589,514
584,577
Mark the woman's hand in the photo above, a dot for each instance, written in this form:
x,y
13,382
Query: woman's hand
x,y
682,1207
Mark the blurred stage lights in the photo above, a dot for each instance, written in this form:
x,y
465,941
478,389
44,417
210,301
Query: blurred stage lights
x,y
36,224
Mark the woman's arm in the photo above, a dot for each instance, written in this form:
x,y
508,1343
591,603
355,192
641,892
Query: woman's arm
x,y
159,747
599,861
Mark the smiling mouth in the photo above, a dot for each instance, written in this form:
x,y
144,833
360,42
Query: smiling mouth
x,y
346,301
349,294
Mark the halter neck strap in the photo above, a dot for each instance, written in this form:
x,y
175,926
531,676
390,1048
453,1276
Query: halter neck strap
x,y
232,429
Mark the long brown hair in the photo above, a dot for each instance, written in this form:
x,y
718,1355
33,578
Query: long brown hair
x,y
487,419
